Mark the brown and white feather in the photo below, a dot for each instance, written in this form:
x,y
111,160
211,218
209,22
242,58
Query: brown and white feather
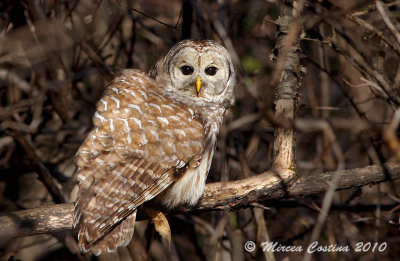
x,y
147,142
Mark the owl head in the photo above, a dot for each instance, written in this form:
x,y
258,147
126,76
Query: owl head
x,y
198,70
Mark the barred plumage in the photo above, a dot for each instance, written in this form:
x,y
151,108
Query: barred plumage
x,y
154,136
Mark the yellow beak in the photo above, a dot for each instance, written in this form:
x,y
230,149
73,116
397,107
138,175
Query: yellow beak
x,y
198,84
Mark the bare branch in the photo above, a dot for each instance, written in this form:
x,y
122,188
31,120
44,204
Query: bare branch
x,y
386,19
154,19
288,75
42,171
217,196
390,135
378,33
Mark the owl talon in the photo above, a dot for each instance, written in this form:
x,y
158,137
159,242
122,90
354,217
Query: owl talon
x,y
160,222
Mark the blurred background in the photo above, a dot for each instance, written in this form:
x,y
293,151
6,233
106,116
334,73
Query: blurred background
x,y
57,57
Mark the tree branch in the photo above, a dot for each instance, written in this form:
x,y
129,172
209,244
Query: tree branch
x,y
287,78
41,169
217,196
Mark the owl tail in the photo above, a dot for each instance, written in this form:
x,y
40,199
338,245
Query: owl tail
x,y
119,236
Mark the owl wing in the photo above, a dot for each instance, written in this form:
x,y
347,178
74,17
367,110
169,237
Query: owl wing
x,y
139,143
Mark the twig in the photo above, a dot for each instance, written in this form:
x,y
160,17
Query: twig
x,y
386,19
372,8
326,204
361,64
371,28
8,75
263,235
154,19
98,62
390,134
41,169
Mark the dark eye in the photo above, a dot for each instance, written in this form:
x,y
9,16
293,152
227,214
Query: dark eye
x,y
211,70
186,70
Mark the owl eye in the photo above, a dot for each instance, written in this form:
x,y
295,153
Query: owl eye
x,y
186,70
211,70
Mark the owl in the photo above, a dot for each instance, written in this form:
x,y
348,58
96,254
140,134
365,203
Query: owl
x,y
153,140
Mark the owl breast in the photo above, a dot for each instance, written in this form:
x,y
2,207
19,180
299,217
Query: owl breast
x,y
190,187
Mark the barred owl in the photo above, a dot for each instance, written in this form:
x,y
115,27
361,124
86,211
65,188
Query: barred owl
x,y
154,137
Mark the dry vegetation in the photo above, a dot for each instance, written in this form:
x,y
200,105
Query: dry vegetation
x,y
56,58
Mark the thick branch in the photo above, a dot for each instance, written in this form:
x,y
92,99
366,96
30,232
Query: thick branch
x,y
217,196
288,77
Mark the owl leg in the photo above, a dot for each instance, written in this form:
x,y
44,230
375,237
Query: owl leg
x,y
119,236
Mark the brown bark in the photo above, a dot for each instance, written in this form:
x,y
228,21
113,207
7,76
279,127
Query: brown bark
x,y
287,79
217,196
